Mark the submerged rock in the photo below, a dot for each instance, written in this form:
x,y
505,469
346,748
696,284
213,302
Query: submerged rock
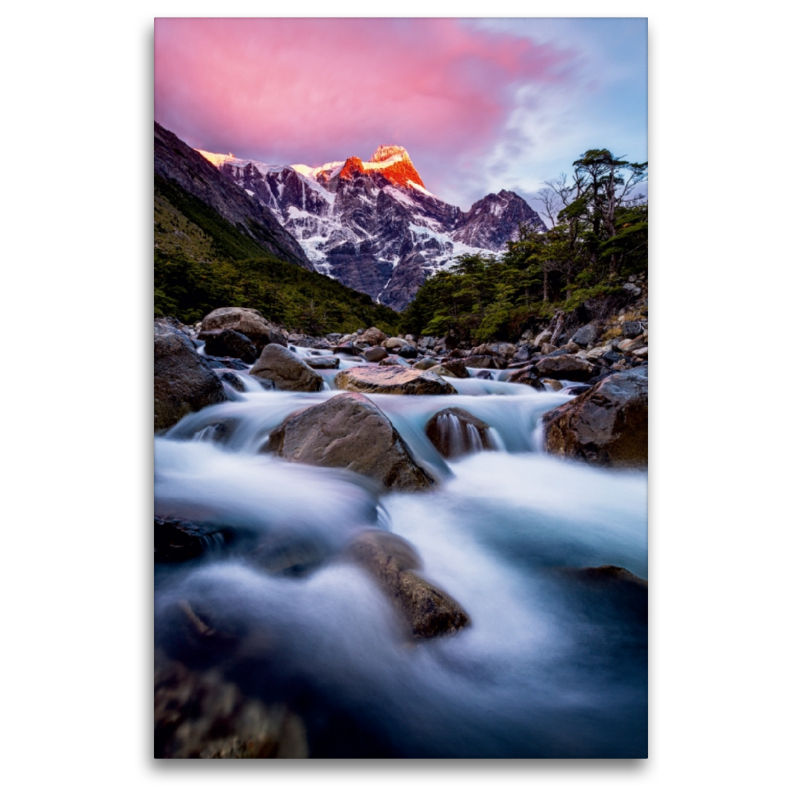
x,y
286,370
232,379
392,380
606,425
248,321
351,432
427,611
183,382
177,540
455,432
228,342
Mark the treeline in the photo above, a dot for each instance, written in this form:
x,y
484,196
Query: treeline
x,y
598,237
203,262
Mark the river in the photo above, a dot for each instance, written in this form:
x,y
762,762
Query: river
x,y
548,667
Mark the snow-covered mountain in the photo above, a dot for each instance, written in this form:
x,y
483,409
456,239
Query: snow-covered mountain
x,y
372,224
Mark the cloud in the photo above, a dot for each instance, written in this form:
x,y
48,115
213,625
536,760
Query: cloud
x,y
313,90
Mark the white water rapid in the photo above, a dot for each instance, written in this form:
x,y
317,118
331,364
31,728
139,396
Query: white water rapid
x,y
547,667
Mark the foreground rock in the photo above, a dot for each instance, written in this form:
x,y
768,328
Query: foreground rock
x,y
392,380
455,432
228,342
427,611
351,432
183,383
286,370
606,425
248,321
200,715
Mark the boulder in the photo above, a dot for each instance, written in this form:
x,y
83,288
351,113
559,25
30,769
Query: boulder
x,y
322,362
630,330
547,348
440,369
394,361
586,335
346,350
426,611
375,354
455,432
286,370
528,376
393,343
565,367
391,380
371,336
183,382
555,385
426,363
228,342
349,431
543,338
606,425
457,367
408,351
248,321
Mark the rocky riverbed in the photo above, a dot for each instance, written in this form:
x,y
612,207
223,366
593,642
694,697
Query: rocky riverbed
x,y
401,546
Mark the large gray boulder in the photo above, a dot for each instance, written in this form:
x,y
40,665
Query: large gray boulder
x,y
286,370
228,342
606,425
248,321
586,335
392,380
565,367
183,382
351,432
426,611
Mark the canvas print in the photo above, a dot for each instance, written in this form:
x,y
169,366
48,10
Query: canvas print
x,y
400,388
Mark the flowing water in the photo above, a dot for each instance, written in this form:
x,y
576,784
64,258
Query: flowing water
x,y
547,667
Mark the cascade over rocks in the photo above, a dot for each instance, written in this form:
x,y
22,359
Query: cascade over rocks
x,y
349,431
428,612
228,342
286,370
606,425
183,382
247,321
455,432
392,380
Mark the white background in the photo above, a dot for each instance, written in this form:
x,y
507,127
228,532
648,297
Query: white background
x,y
77,259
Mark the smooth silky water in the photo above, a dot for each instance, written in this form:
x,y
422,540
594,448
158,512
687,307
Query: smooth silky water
x,y
544,669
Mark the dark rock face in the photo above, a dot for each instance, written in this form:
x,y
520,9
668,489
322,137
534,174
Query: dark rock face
x,y
566,367
455,432
427,611
349,431
383,233
458,367
286,370
182,382
177,540
229,343
247,321
199,715
606,425
391,380
175,161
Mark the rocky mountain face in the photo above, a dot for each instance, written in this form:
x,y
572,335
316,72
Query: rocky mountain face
x,y
181,166
372,224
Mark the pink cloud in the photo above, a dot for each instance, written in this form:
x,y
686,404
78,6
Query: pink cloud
x,y
312,90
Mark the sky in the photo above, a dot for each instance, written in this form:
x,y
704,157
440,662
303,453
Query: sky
x,y
480,105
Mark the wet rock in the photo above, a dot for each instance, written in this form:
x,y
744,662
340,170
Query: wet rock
x,y
200,715
408,351
393,343
375,354
247,321
458,367
391,380
455,432
225,362
606,425
232,379
565,367
441,370
230,343
346,350
586,335
286,370
427,612
349,431
183,382
177,540
555,385
322,362
527,376
426,363
371,336
484,375
394,361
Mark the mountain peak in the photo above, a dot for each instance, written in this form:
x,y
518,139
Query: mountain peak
x,y
385,152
